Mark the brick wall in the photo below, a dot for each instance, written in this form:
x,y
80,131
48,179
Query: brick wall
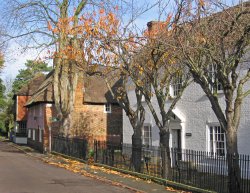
x,y
88,121
91,122
49,113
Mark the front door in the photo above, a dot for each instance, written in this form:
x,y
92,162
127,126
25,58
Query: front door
x,y
176,138
176,142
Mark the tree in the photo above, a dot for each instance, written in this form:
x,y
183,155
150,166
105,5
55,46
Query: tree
x,y
61,24
158,72
3,100
25,75
7,117
50,25
110,57
215,47
135,113
140,60
2,105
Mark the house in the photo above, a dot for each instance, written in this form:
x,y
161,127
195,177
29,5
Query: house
x,y
193,124
96,115
20,111
40,107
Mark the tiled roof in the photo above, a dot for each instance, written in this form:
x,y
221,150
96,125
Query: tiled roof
x,y
31,87
44,93
94,91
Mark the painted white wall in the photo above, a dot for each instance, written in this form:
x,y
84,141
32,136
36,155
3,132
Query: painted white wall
x,y
194,110
20,140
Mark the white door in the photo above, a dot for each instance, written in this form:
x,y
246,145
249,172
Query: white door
x,y
176,145
174,138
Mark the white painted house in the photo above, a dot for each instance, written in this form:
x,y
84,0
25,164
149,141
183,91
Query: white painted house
x,y
194,125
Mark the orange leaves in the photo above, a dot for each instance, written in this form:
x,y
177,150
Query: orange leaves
x,y
168,188
169,17
201,3
101,11
49,26
89,38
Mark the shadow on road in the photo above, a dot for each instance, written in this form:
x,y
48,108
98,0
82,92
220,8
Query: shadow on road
x,y
6,147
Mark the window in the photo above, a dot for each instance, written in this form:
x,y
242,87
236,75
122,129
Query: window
x,y
40,134
34,135
217,141
176,85
107,108
215,85
22,125
29,133
147,135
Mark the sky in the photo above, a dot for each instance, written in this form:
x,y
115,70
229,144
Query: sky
x,y
15,58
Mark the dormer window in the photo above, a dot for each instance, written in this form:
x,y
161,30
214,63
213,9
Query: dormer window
x,y
176,86
215,85
107,108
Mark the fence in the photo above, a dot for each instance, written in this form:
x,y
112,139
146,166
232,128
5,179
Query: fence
x,y
196,168
72,147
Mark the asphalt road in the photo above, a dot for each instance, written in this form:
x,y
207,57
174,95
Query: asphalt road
x,y
20,173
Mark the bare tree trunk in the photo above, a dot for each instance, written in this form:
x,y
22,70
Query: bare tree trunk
x,y
65,83
137,149
234,172
165,153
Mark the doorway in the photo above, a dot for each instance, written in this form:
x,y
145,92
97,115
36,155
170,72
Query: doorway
x,y
176,142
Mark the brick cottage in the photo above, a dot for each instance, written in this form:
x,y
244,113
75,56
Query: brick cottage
x,y
96,115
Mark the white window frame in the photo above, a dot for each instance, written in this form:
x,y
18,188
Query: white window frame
x,y
149,143
40,134
107,108
215,139
29,133
176,86
211,71
34,135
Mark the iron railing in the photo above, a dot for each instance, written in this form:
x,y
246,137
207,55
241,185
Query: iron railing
x,y
196,168
70,146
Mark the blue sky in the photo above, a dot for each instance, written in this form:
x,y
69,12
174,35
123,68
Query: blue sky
x,y
15,58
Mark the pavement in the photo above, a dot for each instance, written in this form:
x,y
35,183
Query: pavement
x,y
95,175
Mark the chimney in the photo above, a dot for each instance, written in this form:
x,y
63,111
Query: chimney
x,y
155,26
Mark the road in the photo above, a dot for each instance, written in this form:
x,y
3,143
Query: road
x,y
20,173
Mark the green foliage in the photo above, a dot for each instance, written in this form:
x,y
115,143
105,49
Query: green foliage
x,y
3,104
32,68
91,153
7,115
6,102
2,96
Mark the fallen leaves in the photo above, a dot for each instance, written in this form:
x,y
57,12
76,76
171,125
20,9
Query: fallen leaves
x,y
81,168
92,171
171,189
